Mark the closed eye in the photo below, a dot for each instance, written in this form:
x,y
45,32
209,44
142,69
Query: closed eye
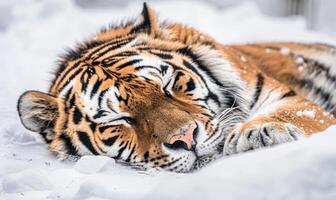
x,y
107,118
129,120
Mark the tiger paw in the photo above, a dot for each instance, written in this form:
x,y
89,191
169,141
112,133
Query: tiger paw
x,y
252,136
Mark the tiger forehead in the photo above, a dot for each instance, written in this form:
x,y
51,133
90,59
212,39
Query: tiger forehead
x,y
108,53
129,65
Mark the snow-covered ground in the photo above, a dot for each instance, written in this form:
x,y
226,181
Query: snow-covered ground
x,y
33,33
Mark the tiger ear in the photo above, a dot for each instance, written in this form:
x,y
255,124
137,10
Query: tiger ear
x,y
147,22
38,111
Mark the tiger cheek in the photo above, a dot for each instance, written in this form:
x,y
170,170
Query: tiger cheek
x,y
147,141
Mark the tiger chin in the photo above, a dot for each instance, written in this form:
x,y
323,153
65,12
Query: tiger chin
x,y
165,95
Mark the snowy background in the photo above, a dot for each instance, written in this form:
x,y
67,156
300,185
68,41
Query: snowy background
x,y
33,33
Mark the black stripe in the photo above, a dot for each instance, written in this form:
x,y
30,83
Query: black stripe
x,y
44,133
128,63
79,70
96,144
211,94
68,93
82,49
100,113
63,64
167,93
69,70
85,139
125,54
174,66
114,45
103,128
187,51
121,151
138,68
69,79
94,57
164,69
318,68
83,82
101,96
120,98
77,115
192,68
44,136
324,95
177,78
72,101
71,150
93,126
90,71
162,55
190,85
110,141
109,62
131,153
258,89
146,155
230,99
129,120
95,87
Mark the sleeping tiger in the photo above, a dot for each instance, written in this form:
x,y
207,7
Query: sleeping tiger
x,y
165,95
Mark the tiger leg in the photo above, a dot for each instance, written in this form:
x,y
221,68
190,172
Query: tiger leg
x,y
281,121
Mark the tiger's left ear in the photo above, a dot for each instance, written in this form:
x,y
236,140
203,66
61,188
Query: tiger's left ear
x,y
38,111
147,22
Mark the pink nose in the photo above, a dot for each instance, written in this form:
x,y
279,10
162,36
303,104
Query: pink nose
x,y
184,137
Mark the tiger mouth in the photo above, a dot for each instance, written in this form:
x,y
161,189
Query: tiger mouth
x,y
200,160
199,163
204,160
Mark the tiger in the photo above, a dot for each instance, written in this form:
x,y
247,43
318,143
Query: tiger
x,y
164,95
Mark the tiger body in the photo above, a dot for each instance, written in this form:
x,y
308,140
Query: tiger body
x,y
168,96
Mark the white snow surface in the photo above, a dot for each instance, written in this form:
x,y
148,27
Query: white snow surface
x,y
33,34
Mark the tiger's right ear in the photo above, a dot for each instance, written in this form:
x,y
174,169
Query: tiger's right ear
x,y
147,22
38,111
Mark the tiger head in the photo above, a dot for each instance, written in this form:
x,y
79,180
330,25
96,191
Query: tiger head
x,y
143,93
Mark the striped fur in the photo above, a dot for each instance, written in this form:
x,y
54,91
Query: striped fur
x,y
127,91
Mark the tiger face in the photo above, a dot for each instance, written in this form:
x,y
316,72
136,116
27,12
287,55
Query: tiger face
x,y
138,94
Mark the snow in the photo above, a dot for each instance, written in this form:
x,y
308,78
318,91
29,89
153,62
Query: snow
x,y
33,33
285,51
299,60
93,164
306,113
25,180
